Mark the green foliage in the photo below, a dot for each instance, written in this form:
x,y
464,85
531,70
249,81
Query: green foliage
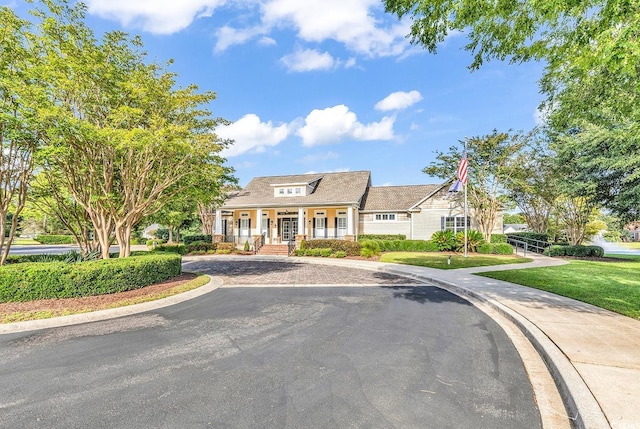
x,y
31,281
303,245
407,245
188,239
444,240
369,248
205,247
55,239
247,246
495,249
530,235
154,241
474,239
180,249
382,237
351,248
340,254
498,238
555,250
509,218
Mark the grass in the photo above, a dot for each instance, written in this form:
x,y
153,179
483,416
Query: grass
x,y
613,286
439,260
24,241
201,280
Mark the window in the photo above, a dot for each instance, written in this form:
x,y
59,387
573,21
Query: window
x,y
281,191
289,191
298,190
454,223
385,216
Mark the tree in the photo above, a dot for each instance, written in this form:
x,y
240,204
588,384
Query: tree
x,y
489,160
121,136
591,54
533,184
19,135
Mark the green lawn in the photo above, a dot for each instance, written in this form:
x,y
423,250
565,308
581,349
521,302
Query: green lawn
x,y
23,241
439,260
611,285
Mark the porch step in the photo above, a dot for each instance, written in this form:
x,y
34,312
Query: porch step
x,y
274,249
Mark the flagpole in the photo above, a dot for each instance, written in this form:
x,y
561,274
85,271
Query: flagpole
x,y
465,205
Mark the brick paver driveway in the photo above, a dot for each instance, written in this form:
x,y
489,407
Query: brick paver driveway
x,y
251,272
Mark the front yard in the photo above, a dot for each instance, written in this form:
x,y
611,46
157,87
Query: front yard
x,y
611,285
449,261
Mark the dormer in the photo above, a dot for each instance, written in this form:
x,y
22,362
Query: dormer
x,y
297,189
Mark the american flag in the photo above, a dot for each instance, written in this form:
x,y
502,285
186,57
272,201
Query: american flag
x,y
463,166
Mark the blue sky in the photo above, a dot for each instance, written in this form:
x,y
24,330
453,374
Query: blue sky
x,y
326,85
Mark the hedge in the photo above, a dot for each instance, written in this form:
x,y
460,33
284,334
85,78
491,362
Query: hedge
x,y
495,249
382,237
530,235
498,238
577,251
180,249
55,239
351,248
44,280
188,239
407,245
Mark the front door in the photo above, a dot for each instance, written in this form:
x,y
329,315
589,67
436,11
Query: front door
x,y
289,229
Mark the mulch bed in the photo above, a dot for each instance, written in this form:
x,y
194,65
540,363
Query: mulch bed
x,y
91,303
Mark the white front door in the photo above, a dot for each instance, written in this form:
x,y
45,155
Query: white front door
x,y
321,225
244,228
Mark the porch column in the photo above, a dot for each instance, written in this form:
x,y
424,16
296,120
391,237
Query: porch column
x,y
217,227
259,221
302,228
349,220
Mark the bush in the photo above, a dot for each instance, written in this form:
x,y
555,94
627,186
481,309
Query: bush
x,y
247,246
498,238
596,251
444,240
201,247
157,242
180,249
577,250
530,235
55,239
555,250
474,239
391,237
188,239
340,254
351,248
225,246
44,280
369,248
495,249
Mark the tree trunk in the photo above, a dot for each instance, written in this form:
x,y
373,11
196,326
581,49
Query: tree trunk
x,y
170,234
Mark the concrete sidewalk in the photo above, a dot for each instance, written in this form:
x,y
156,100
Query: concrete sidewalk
x,y
593,354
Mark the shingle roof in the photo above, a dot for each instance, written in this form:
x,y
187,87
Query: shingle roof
x,y
390,198
332,188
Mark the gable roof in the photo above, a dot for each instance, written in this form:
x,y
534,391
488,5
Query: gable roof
x,y
330,189
396,198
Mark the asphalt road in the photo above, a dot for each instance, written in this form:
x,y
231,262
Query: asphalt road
x,y
398,356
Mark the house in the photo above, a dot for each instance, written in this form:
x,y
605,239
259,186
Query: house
x,y
335,205
510,228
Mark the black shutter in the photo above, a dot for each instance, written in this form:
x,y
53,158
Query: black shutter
x,y
313,233
325,227
335,227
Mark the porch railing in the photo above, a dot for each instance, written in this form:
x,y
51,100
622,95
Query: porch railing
x,y
291,246
258,242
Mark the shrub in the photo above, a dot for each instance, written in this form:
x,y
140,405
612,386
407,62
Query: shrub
x,y
351,248
180,249
157,242
223,251
188,239
340,254
444,240
43,280
474,239
596,251
369,248
555,250
55,239
303,245
201,247
495,248
247,246
498,238
391,237
530,235
577,250
225,246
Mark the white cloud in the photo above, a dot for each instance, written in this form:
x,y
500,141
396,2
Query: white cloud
x,y
303,60
333,124
155,16
398,100
267,41
350,22
227,36
336,170
250,133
